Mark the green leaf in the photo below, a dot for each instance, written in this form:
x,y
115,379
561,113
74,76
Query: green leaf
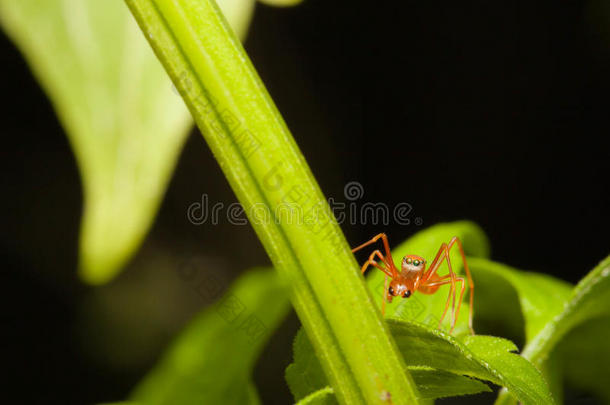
x,y
268,173
583,356
551,313
211,361
440,364
116,104
306,379
434,384
426,243
541,297
589,299
523,301
483,357
304,375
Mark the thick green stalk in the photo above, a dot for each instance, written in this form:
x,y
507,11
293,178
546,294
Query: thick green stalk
x,y
270,176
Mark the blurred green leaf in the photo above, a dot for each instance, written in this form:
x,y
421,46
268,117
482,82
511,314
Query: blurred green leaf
x,y
211,361
426,243
541,297
583,357
552,312
590,299
496,307
116,104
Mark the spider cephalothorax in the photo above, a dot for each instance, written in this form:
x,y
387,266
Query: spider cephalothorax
x,y
407,279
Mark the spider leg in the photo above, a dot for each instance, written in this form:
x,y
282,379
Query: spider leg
x,y
388,261
451,288
388,269
456,240
429,278
371,261
443,253
452,293
457,313
387,274
384,297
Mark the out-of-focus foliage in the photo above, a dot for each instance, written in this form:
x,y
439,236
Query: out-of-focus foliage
x,y
125,123
590,299
563,327
583,356
211,361
540,297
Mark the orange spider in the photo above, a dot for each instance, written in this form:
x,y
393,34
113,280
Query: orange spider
x,y
413,276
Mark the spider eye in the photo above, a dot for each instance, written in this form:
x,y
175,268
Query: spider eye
x,y
391,290
416,262
407,294
409,260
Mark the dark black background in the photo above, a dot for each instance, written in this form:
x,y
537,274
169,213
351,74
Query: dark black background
x,y
491,111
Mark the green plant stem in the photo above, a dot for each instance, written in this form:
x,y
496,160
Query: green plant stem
x,y
267,171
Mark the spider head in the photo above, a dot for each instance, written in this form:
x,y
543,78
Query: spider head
x,y
398,288
412,263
